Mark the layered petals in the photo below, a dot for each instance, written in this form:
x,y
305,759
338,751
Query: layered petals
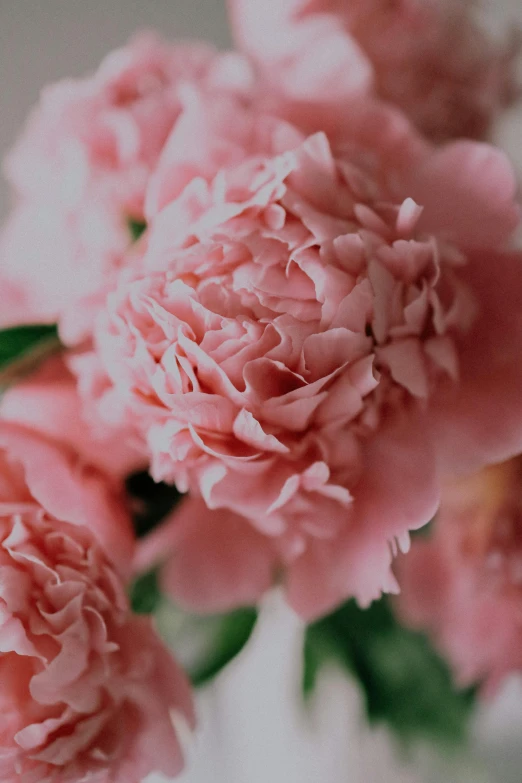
x,y
86,689
292,336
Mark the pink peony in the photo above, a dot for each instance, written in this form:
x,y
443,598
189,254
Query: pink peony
x,y
67,487
297,337
464,583
429,58
80,171
86,689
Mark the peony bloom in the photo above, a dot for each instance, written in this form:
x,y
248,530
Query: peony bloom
x,y
86,689
300,332
463,584
427,57
80,171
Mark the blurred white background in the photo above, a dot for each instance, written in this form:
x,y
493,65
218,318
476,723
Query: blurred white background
x,y
252,729
255,729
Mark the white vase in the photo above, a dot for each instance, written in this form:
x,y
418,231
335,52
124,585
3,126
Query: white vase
x,y
255,728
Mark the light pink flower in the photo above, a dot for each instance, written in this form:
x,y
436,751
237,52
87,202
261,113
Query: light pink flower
x,y
430,58
294,323
80,171
85,688
464,583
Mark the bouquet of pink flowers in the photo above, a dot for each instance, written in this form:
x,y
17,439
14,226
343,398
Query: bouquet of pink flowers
x,y
262,320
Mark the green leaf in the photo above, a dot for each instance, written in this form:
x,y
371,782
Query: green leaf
x,y
203,644
136,228
20,340
150,501
22,347
145,595
317,650
231,633
423,532
405,683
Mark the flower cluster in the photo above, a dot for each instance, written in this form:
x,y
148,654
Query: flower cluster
x,y
282,286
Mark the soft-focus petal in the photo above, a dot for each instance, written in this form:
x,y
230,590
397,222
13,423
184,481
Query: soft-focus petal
x,y
429,58
398,492
214,560
478,421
